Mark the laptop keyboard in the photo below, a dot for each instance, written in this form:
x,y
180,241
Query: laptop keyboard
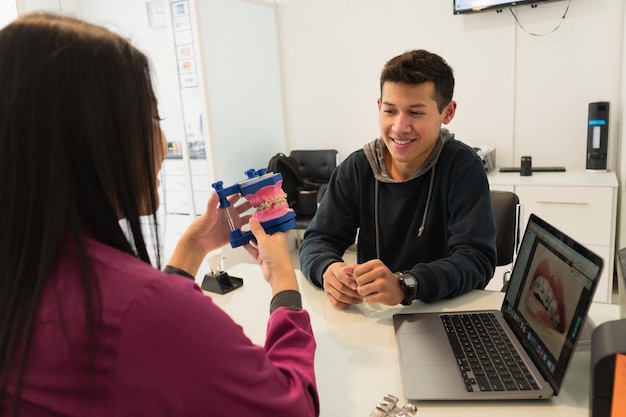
x,y
485,355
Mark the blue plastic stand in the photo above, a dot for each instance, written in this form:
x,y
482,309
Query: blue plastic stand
x,y
256,180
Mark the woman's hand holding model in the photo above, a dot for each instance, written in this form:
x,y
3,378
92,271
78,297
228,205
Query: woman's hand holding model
x,y
206,233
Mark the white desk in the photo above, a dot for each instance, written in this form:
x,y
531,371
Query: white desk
x,y
357,359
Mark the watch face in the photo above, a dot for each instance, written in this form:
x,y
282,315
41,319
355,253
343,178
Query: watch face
x,y
409,285
409,280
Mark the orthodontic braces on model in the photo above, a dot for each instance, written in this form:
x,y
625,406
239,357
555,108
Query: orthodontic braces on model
x,y
264,191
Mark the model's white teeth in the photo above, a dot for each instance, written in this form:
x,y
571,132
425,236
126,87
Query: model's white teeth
x,y
272,202
545,294
402,142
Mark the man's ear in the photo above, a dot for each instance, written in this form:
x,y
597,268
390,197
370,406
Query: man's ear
x,y
449,112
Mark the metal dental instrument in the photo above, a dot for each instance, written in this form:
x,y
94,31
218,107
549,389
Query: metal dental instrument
x,y
390,408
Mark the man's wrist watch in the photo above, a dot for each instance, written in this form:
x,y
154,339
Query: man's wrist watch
x,y
409,285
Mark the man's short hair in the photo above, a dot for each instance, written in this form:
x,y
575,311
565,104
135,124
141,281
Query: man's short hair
x,y
417,67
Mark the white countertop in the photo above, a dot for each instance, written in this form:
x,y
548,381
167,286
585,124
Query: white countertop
x,y
357,358
569,178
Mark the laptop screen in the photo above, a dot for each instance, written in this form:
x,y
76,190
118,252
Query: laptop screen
x,y
551,289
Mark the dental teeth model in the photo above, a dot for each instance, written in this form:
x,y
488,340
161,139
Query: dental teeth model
x,y
264,192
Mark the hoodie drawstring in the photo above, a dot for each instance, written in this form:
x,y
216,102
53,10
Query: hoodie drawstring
x,y
422,226
430,193
376,225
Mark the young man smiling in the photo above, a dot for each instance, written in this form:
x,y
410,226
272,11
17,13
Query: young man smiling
x,y
417,198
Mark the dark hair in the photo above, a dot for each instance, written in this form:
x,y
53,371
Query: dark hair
x,y
417,67
78,142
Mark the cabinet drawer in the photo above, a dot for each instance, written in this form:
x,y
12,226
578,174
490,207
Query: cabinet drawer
x,y
178,167
199,167
175,183
201,183
173,167
179,183
580,212
177,202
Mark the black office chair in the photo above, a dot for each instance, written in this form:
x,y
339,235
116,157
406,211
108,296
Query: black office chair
x,y
316,167
506,210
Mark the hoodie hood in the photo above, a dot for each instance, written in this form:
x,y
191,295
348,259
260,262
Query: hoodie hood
x,y
375,153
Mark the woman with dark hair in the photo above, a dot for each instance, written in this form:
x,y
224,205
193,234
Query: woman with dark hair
x,y
88,327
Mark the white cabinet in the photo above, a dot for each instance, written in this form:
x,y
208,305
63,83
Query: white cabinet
x,y
175,185
581,204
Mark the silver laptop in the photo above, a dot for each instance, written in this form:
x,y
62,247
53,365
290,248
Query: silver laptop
x,y
518,352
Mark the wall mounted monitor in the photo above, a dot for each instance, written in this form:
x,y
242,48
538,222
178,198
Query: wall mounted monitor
x,y
475,6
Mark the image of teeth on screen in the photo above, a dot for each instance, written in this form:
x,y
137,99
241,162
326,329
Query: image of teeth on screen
x,y
547,305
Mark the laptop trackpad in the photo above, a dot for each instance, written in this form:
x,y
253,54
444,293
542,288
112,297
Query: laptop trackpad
x,y
426,348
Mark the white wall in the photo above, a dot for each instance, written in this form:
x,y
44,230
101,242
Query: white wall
x,y
333,52
241,65
558,75
8,12
523,94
